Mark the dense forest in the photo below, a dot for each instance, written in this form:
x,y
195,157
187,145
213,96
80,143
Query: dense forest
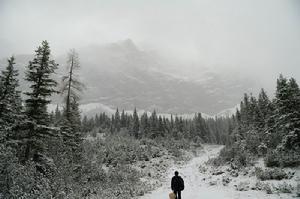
x,y
64,155
198,129
48,155
268,128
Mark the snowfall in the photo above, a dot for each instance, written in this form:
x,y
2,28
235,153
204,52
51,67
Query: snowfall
x,y
203,185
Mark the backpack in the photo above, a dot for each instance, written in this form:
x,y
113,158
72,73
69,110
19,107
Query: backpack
x,y
181,184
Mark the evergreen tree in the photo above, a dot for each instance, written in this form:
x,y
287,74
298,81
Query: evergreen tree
x,y
85,127
281,112
112,124
153,123
265,108
167,126
292,140
287,112
135,124
97,121
253,112
10,107
117,123
123,119
144,125
39,74
172,122
10,100
176,128
76,143
245,113
201,127
57,115
160,126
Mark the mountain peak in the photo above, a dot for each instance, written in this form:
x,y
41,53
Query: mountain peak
x,y
126,45
129,43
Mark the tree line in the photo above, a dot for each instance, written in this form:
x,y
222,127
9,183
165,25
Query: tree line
x,y
153,125
268,128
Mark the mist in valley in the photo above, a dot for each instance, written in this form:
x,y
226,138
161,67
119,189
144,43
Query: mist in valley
x,y
194,56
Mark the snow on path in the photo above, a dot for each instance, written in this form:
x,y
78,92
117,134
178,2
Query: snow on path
x,y
196,188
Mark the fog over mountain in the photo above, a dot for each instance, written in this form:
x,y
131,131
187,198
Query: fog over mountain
x,y
173,56
122,75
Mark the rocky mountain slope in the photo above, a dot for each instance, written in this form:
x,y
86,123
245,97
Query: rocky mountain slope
x,y
122,75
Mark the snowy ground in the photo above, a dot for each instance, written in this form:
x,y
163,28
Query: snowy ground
x,y
196,187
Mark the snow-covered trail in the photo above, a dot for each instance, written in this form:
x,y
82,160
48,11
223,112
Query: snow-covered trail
x,y
192,178
195,187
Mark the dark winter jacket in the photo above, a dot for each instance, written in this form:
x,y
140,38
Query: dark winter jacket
x,y
177,183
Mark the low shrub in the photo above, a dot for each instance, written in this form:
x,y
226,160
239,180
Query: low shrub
x,y
268,189
234,156
21,180
261,186
281,158
284,188
290,158
202,169
226,180
298,189
272,160
271,174
243,186
121,150
173,146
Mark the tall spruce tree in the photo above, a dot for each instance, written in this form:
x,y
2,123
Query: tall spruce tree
x,y
57,115
42,85
10,100
253,112
281,111
153,125
201,127
287,113
123,119
292,139
160,126
117,121
265,108
10,103
144,124
135,124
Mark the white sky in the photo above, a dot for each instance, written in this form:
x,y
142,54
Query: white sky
x,y
257,38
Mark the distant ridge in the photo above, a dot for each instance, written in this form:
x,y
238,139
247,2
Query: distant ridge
x,y
121,75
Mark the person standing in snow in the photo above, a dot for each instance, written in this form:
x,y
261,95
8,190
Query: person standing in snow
x,y
177,185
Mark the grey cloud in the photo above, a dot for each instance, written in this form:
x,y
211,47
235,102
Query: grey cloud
x,y
252,37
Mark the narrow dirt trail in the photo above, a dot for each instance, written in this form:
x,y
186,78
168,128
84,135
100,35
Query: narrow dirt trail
x,y
195,187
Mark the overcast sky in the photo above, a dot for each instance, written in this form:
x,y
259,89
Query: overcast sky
x,y
254,37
